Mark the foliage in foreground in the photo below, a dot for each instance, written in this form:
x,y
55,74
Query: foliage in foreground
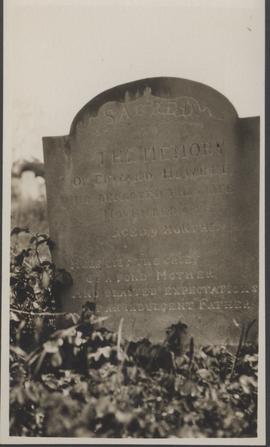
x,y
85,381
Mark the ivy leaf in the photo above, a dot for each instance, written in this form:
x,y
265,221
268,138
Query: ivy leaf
x,y
43,235
20,257
18,230
46,263
189,388
41,241
74,317
13,280
46,280
50,381
101,352
56,359
51,346
248,383
14,316
204,373
37,269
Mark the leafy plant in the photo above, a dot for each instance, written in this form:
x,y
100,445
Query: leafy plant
x,y
79,379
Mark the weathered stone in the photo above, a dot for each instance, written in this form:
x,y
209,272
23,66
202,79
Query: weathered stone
x,y
153,202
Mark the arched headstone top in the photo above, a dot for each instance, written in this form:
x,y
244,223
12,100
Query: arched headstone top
x,y
164,96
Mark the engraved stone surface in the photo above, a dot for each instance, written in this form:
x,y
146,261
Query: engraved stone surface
x,y
153,202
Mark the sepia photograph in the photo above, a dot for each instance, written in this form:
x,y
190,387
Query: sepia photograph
x,y
133,297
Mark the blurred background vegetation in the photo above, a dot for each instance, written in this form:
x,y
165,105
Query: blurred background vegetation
x,y
28,196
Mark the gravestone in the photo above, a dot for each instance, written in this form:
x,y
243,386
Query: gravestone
x,y
153,203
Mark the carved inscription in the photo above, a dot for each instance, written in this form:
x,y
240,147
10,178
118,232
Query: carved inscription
x,y
185,190
168,173
183,110
177,152
203,305
155,196
133,292
181,229
178,258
